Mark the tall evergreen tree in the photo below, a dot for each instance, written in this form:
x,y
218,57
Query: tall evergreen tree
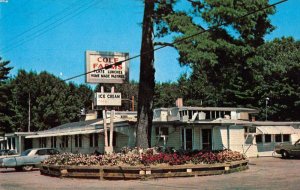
x,y
275,70
4,96
220,74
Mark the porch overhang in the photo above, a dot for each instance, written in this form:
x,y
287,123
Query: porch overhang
x,y
275,130
65,133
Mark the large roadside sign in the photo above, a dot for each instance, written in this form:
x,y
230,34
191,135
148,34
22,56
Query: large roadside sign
x,y
108,99
96,60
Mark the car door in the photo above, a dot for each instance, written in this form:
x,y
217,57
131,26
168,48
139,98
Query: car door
x,y
295,150
41,155
25,158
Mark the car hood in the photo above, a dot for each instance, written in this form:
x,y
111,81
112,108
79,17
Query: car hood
x,y
9,156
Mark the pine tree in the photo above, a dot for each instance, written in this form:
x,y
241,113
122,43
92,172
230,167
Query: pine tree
x,y
4,96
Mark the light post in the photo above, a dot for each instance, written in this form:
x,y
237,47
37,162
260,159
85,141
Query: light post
x,y
267,100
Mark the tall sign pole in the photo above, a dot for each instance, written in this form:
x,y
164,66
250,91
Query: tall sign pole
x,y
105,129
111,130
116,74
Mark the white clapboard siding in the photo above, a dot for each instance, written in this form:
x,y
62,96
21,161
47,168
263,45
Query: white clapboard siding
x,y
236,138
219,138
35,143
196,138
174,138
295,137
121,141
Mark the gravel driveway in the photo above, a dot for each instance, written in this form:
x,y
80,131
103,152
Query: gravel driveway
x,y
264,173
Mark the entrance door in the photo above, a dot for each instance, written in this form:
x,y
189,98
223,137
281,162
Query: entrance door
x,y
206,139
27,144
187,138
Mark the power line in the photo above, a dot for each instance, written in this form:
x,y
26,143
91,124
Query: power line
x,y
41,23
175,42
46,28
51,26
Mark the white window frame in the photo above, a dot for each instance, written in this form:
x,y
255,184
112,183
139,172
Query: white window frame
x,y
183,141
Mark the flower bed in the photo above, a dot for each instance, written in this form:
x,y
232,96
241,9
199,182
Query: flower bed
x,y
148,157
144,164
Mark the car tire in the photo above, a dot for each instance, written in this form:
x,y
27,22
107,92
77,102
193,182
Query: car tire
x,y
285,154
27,168
18,168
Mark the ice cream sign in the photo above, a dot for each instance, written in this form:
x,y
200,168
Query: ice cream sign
x,y
108,99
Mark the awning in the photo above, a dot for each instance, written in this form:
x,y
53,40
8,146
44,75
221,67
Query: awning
x,y
64,133
275,130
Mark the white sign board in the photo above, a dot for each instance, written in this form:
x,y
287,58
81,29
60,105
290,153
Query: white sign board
x,y
108,99
96,60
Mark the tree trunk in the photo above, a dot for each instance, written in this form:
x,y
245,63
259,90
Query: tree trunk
x,y
146,86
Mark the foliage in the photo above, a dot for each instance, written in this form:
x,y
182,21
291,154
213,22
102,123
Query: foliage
x,y
5,120
275,73
196,157
231,65
217,57
166,94
52,102
145,157
85,159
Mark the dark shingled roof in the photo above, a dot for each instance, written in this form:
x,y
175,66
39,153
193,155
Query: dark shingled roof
x,y
73,125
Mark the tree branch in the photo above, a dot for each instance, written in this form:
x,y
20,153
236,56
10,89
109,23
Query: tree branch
x,y
163,44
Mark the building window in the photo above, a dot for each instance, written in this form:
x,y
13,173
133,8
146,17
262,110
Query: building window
x,y
65,142
207,115
258,138
278,138
161,131
78,140
94,139
286,138
267,138
187,138
53,142
42,142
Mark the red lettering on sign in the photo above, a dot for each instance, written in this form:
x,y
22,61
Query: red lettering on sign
x,y
101,66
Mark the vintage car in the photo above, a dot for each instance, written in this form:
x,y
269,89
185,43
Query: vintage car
x,y
287,149
7,153
28,159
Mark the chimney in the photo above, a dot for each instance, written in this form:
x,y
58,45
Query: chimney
x,y
179,102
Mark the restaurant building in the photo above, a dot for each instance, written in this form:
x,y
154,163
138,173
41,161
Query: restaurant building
x,y
187,128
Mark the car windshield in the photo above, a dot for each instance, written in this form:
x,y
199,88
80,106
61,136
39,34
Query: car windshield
x,y
26,152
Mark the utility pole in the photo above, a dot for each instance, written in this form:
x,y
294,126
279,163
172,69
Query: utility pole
x,y
267,99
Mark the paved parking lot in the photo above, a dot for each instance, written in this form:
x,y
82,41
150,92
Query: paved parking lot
x,y
264,173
